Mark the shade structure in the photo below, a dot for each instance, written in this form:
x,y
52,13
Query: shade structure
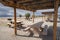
x,y
48,14
34,5
31,5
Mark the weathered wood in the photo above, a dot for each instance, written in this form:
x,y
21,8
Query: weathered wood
x,y
18,24
47,13
36,7
33,16
50,16
15,30
30,4
55,19
42,17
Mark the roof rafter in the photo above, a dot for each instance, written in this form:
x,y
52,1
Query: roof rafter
x,y
30,4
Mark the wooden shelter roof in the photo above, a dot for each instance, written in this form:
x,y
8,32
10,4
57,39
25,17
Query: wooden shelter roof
x,y
29,4
33,5
47,13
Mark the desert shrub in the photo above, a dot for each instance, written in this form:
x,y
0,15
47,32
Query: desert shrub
x,y
27,15
20,15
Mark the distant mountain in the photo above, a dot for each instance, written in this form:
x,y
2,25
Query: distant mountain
x,y
6,16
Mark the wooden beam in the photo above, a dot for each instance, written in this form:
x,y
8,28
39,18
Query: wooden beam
x,y
38,3
15,30
55,19
33,17
42,17
36,6
34,1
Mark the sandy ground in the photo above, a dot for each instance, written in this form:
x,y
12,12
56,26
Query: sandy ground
x,y
7,33
4,21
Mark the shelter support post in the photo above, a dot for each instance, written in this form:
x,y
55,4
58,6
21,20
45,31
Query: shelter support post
x,y
56,2
33,17
42,17
50,15
15,30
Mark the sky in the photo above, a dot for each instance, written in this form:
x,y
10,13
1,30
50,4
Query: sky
x,y
4,10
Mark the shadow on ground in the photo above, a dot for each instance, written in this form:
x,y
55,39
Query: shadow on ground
x,y
44,37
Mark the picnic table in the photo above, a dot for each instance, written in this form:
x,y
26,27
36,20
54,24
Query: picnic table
x,y
11,23
40,28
